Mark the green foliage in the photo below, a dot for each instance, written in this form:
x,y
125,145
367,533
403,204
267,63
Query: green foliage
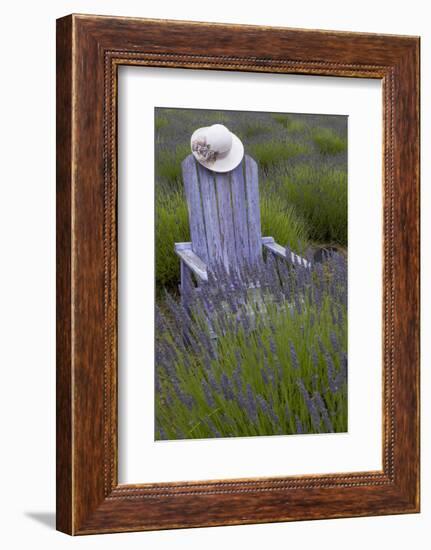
x,y
319,195
269,153
291,124
328,142
282,223
256,366
213,117
168,164
172,225
253,129
281,119
160,122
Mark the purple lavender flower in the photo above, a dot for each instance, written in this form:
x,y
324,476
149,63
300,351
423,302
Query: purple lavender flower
x,y
226,387
334,341
299,427
274,359
268,410
323,411
318,298
208,394
263,404
274,416
237,377
213,382
321,346
251,405
169,398
188,400
271,376
341,376
213,429
343,363
340,317
314,359
298,306
157,385
331,373
301,278
314,414
242,401
293,356
272,346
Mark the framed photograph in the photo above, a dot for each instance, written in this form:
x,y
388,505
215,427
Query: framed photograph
x,y
237,274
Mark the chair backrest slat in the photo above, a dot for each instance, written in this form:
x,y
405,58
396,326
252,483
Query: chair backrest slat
x,y
194,205
224,213
253,212
210,213
239,207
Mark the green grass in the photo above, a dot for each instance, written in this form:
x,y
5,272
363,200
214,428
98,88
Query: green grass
x,y
269,153
291,124
160,122
282,223
213,117
171,226
328,142
319,196
168,164
253,129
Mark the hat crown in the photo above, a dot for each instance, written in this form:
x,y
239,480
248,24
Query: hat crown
x,y
219,138
216,148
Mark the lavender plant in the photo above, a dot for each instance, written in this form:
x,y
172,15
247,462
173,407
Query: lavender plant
x,y
264,351
260,352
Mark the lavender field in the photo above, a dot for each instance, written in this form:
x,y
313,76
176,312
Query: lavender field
x,y
263,352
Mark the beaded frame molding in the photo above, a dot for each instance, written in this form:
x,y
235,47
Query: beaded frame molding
x,y
89,51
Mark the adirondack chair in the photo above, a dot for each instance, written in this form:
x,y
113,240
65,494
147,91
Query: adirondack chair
x,y
224,218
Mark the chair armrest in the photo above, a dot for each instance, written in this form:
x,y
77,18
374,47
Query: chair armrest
x,y
270,244
185,252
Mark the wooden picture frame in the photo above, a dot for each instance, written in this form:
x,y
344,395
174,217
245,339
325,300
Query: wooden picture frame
x,y
89,51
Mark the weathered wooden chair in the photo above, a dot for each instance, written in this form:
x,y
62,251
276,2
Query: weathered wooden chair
x,y
225,228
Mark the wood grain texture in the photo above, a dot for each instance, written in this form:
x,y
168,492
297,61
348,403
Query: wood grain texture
x,y
226,217
239,204
64,496
188,257
194,206
224,221
208,199
280,251
89,51
253,211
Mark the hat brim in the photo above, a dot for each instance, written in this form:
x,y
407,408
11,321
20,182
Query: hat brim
x,y
224,164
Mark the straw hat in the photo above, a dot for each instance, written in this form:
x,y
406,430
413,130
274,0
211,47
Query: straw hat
x,y
217,148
